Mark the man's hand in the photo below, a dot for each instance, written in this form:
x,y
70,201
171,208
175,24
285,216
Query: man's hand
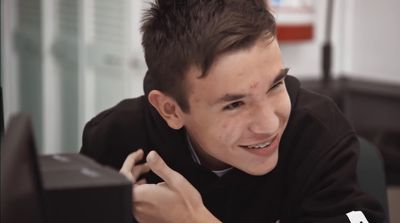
x,y
133,171
174,200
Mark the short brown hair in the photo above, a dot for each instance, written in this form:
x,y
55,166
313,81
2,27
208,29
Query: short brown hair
x,y
180,34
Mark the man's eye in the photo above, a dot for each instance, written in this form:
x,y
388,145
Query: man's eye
x,y
277,84
233,105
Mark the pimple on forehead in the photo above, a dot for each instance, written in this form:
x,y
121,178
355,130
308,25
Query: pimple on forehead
x,y
253,85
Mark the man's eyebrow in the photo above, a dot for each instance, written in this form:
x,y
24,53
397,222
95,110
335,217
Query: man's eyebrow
x,y
234,97
282,75
230,97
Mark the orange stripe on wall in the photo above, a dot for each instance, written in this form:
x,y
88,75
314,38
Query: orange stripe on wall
x,y
295,32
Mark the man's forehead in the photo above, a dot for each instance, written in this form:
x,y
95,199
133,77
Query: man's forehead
x,y
230,72
233,96
214,94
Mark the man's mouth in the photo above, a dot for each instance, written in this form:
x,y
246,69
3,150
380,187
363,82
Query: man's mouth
x,y
264,148
259,145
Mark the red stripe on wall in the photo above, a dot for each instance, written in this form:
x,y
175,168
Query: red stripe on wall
x,y
295,32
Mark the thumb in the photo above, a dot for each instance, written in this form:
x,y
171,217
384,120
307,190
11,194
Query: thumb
x,y
160,168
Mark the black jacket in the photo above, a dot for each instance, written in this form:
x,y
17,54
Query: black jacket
x,y
314,180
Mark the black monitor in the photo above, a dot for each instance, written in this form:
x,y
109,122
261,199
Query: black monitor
x,y
21,189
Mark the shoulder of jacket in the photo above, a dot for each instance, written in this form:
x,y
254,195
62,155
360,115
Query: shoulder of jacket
x,y
322,110
125,112
111,135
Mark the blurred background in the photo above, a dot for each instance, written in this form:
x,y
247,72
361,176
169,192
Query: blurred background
x,y
64,61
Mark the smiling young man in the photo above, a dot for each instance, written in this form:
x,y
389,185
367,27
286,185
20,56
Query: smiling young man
x,y
235,138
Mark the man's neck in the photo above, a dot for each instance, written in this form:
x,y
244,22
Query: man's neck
x,y
201,158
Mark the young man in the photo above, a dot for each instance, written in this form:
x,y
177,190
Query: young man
x,y
233,138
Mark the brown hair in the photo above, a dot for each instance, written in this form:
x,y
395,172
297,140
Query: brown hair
x,y
180,34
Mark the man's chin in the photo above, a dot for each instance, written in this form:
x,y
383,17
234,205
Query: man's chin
x,y
262,169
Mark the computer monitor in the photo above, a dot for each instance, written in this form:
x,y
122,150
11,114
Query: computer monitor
x,y
21,189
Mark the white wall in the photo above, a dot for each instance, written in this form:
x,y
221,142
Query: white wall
x,y
8,60
374,40
89,64
304,57
366,42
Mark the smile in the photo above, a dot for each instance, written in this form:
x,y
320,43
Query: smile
x,y
259,146
265,148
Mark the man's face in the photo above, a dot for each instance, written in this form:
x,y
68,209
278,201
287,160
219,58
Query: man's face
x,y
239,111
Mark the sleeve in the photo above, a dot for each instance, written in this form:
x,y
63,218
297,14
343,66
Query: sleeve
x,y
333,194
115,133
93,144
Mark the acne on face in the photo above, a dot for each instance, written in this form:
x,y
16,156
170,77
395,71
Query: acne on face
x,y
218,133
254,85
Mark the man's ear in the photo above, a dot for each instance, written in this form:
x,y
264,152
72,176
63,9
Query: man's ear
x,y
167,107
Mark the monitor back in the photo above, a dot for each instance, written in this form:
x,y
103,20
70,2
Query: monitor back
x,y
21,189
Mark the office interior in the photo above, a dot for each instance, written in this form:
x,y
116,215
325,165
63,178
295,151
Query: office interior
x,y
64,61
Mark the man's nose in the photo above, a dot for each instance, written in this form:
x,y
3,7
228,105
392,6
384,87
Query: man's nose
x,y
264,120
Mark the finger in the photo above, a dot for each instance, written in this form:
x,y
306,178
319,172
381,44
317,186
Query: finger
x,y
139,170
140,182
160,168
129,163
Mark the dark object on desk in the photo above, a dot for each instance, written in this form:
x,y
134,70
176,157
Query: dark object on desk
x,y
371,173
373,109
62,188
79,190
21,190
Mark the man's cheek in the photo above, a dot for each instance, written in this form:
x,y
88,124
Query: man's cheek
x,y
229,133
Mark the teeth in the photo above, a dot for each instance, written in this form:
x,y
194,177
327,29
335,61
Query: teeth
x,y
259,146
